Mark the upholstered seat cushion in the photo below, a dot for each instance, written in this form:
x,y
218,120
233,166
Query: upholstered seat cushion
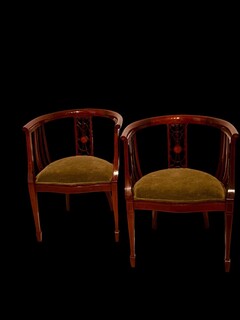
x,y
75,170
179,185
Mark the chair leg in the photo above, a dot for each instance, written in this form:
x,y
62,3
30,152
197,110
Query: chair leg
x,y
110,200
115,209
35,210
131,232
67,196
228,235
154,220
206,219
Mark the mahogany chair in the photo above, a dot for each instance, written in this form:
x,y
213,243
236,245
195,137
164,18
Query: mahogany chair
x,y
180,164
71,152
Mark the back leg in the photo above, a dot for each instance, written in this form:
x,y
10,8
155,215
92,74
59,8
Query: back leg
x,y
154,220
206,219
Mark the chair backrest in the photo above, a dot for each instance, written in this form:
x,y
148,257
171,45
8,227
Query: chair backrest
x,y
164,142
70,132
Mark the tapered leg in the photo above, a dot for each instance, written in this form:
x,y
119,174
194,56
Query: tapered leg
x,y
131,232
67,196
115,210
110,201
228,235
35,210
154,220
206,219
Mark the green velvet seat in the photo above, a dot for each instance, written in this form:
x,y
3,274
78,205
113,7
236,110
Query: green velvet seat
x,y
179,185
76,170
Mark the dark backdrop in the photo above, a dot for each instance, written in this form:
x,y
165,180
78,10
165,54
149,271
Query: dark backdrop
x,y
139,75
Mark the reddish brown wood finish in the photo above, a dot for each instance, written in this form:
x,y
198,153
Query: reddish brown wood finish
x,y
225,171
38,156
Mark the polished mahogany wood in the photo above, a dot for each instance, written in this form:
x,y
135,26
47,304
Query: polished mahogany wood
x,y
38,131
178,137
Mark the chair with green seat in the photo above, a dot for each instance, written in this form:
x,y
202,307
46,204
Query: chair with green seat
x,y
180,164
71,152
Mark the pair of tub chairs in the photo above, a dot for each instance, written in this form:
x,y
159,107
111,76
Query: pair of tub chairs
x,y
172,163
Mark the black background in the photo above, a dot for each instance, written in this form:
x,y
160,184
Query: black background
x,y
139,66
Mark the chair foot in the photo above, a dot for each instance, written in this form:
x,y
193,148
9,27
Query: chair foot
x,y
39,236
227,265
133,261
117,236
